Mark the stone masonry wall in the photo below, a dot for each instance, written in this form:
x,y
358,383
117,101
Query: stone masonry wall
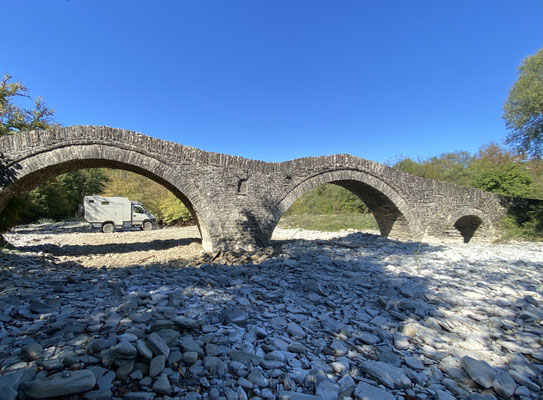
x,y
239,201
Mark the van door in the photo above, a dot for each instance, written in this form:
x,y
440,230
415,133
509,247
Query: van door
x,y
138,215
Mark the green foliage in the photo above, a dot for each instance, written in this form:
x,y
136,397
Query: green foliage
x,y
173,211
448,167
523,109
155,197
508,179
329,223
14,118
524,221
493,169
59,197
328,199
10,214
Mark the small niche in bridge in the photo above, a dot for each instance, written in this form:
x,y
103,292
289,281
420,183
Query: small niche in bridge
x,y
467,226
242,186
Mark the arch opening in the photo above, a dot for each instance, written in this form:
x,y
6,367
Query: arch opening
x,y
39,168
330,208
389,218
468,226
393,216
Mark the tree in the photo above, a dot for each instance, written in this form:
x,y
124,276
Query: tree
x,y
508,178
523,109
60,197
494,169
156,198
13,118
57,197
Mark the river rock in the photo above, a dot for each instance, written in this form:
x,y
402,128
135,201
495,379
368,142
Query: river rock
x,y
31,351
157,365
390,376
61,384
503,384
157,345
162,385
479,371
9,383
364,391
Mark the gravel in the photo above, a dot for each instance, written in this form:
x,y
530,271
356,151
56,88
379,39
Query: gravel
x,y
320,316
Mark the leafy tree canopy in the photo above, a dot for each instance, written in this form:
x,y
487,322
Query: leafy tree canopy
x,y
14,118
493,169
523,109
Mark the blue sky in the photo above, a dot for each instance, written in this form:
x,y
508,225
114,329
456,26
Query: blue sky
x,y
276,80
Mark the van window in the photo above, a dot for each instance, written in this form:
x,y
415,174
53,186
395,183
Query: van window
x,y
139,210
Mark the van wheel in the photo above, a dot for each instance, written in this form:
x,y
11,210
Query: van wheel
x,y
147,226
108,227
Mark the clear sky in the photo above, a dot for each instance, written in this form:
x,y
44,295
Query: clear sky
x,y
278,79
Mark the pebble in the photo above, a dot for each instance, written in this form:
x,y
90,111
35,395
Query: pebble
x,y
157,365
364,391
162,385
30,352
144,350
157,345
327,317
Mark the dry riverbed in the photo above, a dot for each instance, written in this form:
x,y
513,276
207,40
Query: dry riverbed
x,y
326,315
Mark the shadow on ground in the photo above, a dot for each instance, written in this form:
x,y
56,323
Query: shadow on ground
x,y
363,293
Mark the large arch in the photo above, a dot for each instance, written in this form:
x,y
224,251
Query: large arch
x,y
394,217
32,169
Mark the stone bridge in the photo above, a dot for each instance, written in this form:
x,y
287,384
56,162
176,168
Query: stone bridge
x,y
237,202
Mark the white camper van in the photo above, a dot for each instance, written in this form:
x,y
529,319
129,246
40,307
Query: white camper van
x,y
109,213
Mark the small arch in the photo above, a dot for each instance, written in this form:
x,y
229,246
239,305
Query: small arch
x,y
394,217
467,226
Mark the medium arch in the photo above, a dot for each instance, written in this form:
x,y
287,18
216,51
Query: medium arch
x,y
36,168
393,215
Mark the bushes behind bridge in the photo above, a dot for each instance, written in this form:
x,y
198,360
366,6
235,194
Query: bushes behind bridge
x,y
493,169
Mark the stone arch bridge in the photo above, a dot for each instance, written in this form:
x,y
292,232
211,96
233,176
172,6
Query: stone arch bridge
x,y
238,202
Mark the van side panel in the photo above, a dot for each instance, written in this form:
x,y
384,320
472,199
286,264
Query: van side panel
x,y
99,209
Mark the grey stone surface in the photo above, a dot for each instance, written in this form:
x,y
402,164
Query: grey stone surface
x,y
461,312
390,376
31,351
157,345
61,384
239,201
162,385
364,391
140,395
157,365
10,383
481,373
286,395
503,384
